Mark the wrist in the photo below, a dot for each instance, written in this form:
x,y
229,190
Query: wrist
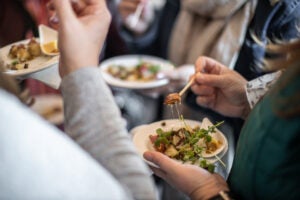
x,y
210,195
211,188
66,68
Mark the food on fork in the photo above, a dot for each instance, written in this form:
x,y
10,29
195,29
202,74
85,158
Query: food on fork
x,y
172,99
175,98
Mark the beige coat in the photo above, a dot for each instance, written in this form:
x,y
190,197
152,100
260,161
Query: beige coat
x,y
214,28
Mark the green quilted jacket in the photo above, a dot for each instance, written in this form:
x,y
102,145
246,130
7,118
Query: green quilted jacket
x,y
267,160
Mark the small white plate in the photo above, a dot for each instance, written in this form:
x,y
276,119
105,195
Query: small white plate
x,y
34,65
140,136
130,61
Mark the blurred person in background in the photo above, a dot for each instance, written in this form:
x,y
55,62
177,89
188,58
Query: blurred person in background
x,y
273,20
183,30
15,22
180,31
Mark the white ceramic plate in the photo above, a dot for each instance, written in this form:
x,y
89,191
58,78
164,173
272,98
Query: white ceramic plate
x,y
45,104
132,60
142,142
37,64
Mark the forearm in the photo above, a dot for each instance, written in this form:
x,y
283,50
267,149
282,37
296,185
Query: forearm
x,y
94,121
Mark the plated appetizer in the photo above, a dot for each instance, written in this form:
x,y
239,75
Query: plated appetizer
x,y
186,141
187,144
144,71
22,53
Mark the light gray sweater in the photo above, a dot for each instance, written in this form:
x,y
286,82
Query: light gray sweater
x,y
94,121
38,161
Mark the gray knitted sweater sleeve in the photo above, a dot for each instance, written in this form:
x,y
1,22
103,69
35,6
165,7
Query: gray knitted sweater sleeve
x,y
93,120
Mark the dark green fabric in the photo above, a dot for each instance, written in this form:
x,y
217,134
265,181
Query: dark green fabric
x,y
267,160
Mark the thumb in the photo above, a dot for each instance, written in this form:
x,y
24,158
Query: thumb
x,y
211,80
161,160
64,10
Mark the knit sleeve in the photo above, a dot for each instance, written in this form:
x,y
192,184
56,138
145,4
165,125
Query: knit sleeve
x,y
94,121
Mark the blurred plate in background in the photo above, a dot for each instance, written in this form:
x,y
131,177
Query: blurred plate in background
x,y
131,61
36,64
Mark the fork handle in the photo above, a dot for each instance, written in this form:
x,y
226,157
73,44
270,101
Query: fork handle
x,y
187,86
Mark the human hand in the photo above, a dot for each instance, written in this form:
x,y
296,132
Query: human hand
x,y
194,181
77,5
220,88
82,30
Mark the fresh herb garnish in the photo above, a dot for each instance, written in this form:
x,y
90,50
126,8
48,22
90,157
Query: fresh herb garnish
x,y
184,143
208,166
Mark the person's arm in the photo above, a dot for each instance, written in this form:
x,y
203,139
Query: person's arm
x,y
141,40
220,88
92,118
94,121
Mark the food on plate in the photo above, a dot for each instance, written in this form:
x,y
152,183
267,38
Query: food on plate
x,y
22,53
144,71
188,144
34,48
50,47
